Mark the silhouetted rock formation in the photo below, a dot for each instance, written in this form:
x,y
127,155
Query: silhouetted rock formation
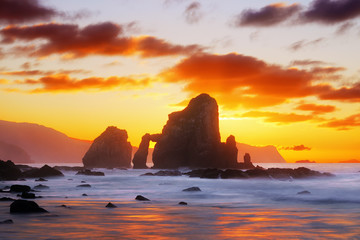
x,y
44,171
110,205
9,171
247,162
7,221
24,206
191,137
140,157
163,173
111,149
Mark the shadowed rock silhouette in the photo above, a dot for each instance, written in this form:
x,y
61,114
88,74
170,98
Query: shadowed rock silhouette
x,y
111,149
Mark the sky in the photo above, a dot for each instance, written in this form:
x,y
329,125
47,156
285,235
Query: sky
x,y
283,73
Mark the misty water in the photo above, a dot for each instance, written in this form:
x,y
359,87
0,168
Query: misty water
x,y
223,209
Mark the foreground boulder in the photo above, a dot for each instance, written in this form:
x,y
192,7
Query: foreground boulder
x,y
24,206
44,171
9,171
111,149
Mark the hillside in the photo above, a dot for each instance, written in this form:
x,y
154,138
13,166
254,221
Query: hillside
x,y
40,143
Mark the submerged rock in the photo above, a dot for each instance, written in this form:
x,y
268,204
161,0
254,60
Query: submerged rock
x,y
28,195
192,189
84,185
304,192
233,173
9,171
40,186
111,149
182,203
44,171
24,206
7,221
141,198
88,172
110,205
41,180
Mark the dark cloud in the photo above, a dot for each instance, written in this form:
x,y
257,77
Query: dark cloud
x,y
267,16
344,124
19,11
192,13
237,79
304,43
106,38
297,148
64,83
316,109
331,11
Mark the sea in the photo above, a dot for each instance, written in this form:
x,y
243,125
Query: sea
x,y
223,209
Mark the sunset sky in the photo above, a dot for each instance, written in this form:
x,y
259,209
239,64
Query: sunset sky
x,y
284,74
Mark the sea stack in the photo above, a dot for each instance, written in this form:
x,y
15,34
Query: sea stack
x,y
111,149
140,157
191,138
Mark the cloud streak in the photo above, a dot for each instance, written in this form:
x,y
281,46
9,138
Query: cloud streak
x,y
192,13
297,148
344,124
316,109
105,38
64,83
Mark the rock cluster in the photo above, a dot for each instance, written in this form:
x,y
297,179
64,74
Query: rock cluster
x,y
110,150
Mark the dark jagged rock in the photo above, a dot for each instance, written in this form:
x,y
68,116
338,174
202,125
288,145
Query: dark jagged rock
x,y
7,221
304,192
296,173
190,137
44,171
28,195
6,199
41,180
88,172
9,171
205,173
19,188
140,157
40,186
192,189
84,185
111,149
141,198
182,203
67,168
233,173
257,173
110,205
24,206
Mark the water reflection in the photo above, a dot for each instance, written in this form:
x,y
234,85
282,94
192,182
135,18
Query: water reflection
x,y
136,220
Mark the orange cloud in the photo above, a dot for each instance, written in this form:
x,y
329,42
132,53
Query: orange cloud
x,y
63,83
297,148
344,124
316,109
98,39
236,79
278,117
40,72
351,94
